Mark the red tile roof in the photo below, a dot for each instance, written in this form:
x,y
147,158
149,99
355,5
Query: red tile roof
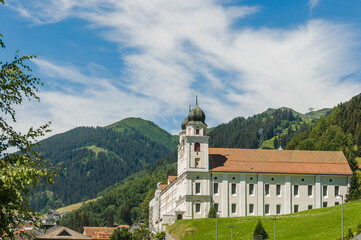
x,y
163,186
278,161
99,232
123,226
171,179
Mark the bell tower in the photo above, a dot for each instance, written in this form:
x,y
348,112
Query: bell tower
x,y
193,142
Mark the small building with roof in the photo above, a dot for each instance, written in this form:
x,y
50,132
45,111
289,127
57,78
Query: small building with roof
x,y
62,233
99,232
244,182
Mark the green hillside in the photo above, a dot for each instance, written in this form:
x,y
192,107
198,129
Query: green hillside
x,y
93,159
316,224
317,114
266,130
124,202
146,128
310,115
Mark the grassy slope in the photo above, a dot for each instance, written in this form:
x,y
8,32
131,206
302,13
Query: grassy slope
x,y
310,115
324,223
74,206
307,118
148,129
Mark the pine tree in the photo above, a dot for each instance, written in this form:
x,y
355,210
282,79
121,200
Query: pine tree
x,y
212,212
260,231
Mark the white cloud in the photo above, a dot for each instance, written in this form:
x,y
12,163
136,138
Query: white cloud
x,y
191,47
313,3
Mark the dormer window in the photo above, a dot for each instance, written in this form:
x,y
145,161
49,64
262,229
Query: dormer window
x,y
197,131
197,147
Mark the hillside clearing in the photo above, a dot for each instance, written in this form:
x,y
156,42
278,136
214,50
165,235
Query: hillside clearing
x,y
74,206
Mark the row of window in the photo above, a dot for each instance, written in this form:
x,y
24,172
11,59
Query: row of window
x,y
278,189
310,187
266,208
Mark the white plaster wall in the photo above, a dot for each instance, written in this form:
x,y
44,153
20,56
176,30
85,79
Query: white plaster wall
x,y
331,182
273,199
302,199
251,199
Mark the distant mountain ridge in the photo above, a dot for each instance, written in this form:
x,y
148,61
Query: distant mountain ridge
x,y
146,128
309,115
267,130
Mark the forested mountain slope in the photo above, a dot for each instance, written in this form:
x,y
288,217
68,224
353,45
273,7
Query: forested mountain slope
x,y
126,201
266,130
146,128
92,159
338,131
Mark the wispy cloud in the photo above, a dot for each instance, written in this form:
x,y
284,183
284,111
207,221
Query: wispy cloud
x,y
188,47
313,3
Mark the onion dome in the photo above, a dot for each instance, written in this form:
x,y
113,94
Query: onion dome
x,y
184,123
197,114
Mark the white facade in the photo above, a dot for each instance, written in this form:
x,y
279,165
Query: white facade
x,y
234,193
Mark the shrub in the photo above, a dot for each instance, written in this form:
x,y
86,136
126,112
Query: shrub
x,y
212,212
260,230
160,236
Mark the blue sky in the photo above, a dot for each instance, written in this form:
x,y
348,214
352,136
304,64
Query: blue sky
x,y
102,61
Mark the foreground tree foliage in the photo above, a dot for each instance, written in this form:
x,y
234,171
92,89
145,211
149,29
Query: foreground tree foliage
x,y
20,172
138,234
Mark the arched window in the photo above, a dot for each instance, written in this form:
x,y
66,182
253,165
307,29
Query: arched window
x,y
197,131
179,217
197,147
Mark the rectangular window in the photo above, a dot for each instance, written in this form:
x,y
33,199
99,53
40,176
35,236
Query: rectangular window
x,y
295,208
198,207
266,209
197,147
309,207
309,190
278,209
215,188
234,208
324,204
295,190
278,190
251,208
198,188
266,189
324,191
251,189
337,191
197,162
337,203
216,206
234,189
